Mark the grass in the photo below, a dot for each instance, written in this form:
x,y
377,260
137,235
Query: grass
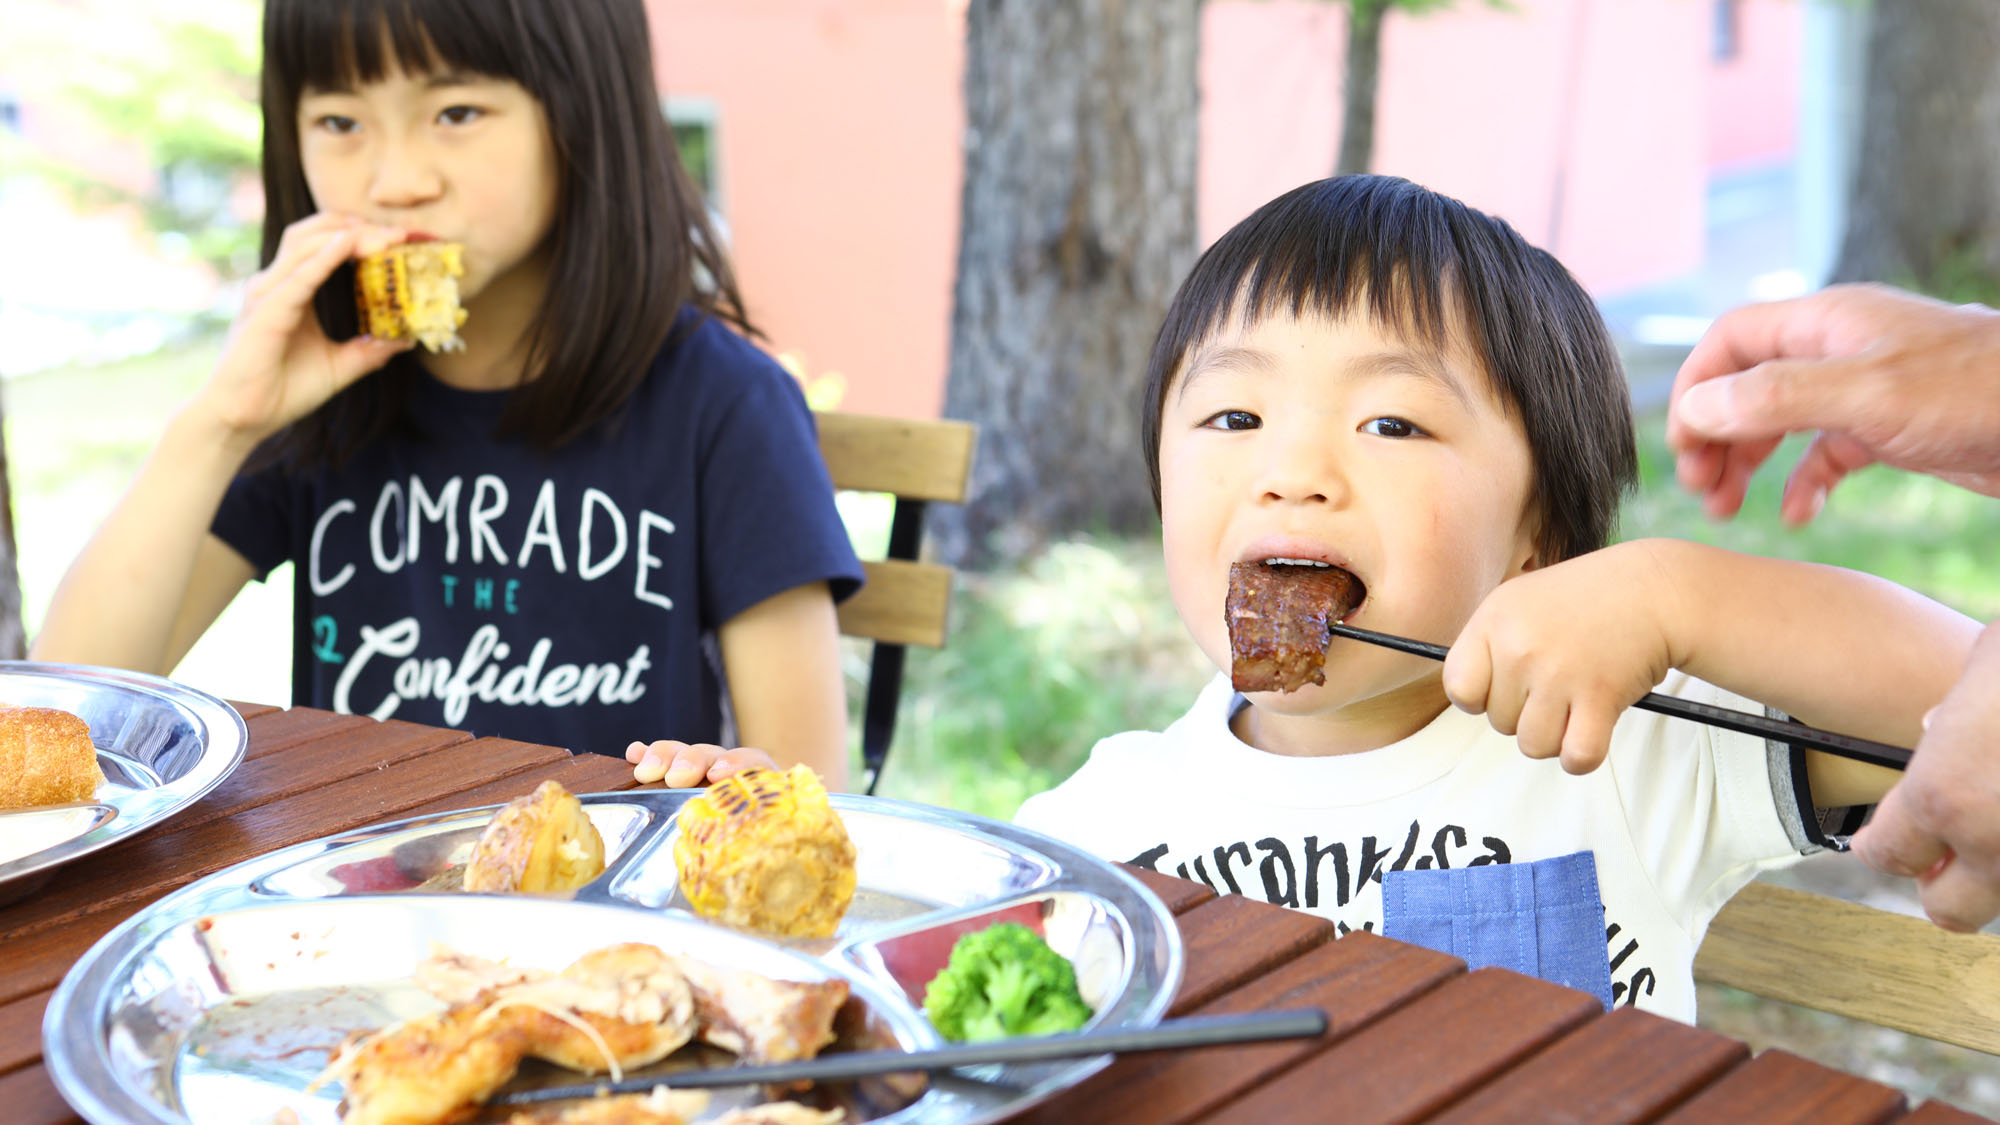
x,y
1058,650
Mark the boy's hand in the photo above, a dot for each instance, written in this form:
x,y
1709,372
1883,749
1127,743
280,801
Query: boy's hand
x,y
684,765
1555,655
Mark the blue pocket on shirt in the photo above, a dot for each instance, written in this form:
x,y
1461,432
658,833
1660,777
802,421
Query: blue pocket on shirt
x,y
1544,919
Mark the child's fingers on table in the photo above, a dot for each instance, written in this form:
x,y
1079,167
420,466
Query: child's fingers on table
x,y
732,762
690,764
650,760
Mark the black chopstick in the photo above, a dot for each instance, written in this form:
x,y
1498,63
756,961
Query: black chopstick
x,y
1742,722
1169,1035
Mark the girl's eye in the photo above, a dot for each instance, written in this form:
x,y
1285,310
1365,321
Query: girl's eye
x,y
336,124
1233,420
1390,428
460,114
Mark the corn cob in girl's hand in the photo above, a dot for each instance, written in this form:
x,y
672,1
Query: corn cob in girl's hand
x,y
765,851
410,292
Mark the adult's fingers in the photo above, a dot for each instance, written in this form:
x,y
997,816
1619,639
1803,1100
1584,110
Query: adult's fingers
x,y
1899,839
1739,340
1772,399
1963,896
1825,463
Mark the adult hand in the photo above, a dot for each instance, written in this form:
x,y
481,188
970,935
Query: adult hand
x,y
1883,376
1938,823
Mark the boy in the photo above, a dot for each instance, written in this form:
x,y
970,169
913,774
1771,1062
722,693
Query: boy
x,y
1368,375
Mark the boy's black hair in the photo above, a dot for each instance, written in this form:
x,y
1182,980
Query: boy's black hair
x,y
1417,261
631,243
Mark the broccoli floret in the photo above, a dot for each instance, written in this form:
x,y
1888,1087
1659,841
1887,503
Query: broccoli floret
x,y
1004,981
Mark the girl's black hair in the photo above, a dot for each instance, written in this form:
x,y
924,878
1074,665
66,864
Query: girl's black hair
x,y
1429,267
631,244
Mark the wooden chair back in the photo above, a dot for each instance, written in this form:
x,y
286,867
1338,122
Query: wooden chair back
x,y
1857,961
905,601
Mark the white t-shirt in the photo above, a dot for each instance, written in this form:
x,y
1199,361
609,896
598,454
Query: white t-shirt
x,y
1680,817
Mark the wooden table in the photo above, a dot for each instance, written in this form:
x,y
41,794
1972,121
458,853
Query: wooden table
x,y
1413,1034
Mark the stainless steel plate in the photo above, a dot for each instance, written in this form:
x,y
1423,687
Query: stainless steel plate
x,y
162,745
318,940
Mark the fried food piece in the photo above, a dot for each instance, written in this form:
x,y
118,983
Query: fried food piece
x,y
426,1070
660,1106
46,758
410,292
1278,618
765,851
782,1113
760,1019
541,842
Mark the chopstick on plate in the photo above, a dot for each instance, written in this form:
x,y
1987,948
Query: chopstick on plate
x,y
1742,722
1168,1035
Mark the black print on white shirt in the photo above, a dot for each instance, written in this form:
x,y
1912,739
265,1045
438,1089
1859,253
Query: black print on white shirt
x,y
1310,873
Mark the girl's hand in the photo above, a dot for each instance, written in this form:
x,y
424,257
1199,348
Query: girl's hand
x,y
277,365
684,765
1555,655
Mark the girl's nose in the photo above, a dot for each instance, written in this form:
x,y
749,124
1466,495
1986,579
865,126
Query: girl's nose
x,y
404,177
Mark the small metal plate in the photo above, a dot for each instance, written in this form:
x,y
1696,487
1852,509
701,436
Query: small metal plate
x,y
162,746
164,1020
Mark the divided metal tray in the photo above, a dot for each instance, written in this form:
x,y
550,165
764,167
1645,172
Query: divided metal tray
x,y
162,745
232,991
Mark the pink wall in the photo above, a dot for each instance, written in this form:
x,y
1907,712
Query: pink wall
x,y
1591,125
838,125
1497,108
1753,98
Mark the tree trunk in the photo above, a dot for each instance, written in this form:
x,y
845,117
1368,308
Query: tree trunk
x,y
1076,226
1924,209
1359,83
13,638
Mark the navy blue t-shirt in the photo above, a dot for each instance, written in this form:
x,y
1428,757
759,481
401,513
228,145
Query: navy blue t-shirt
x,y
563,598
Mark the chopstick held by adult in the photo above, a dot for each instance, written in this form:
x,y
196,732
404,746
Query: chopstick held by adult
x,y
1881,376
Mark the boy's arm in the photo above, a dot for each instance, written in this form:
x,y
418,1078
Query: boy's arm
x,y
1833,648
152,579
1555,654
782,658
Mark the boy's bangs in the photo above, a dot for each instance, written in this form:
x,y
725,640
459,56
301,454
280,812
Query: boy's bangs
x,y
322,45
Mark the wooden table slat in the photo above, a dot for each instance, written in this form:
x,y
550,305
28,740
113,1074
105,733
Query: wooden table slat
x,y
275,731
30,1098
337,754
586,773
1426,1055
21,1031
249,710
1356,980
1231,940
1778,1087
1179,895
1626,1065
1940,1113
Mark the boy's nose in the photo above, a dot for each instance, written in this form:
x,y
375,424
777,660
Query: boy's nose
x,y
1302,472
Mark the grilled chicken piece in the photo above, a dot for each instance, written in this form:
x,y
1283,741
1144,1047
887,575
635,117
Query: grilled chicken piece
x,y
428,1070
760,1019
765,851
1278,617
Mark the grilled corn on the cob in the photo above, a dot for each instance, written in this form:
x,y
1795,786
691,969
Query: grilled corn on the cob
x,y
540,842
765,851
410,291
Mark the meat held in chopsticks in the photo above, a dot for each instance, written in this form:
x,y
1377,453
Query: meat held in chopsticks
x,y
1278,616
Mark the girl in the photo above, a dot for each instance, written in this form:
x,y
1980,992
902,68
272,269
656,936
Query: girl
x,y
605,518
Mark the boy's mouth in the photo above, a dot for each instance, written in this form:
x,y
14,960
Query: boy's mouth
x,y
1277,612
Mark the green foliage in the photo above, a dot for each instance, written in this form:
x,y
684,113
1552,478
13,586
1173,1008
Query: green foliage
x,y
1004,981
1961,276
182,85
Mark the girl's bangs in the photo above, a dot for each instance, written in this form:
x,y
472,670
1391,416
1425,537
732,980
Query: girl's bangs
x,y
342,44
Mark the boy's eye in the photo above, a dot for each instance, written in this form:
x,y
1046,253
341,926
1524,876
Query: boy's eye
x,y
1233,420
336,124
1390,428
460,114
